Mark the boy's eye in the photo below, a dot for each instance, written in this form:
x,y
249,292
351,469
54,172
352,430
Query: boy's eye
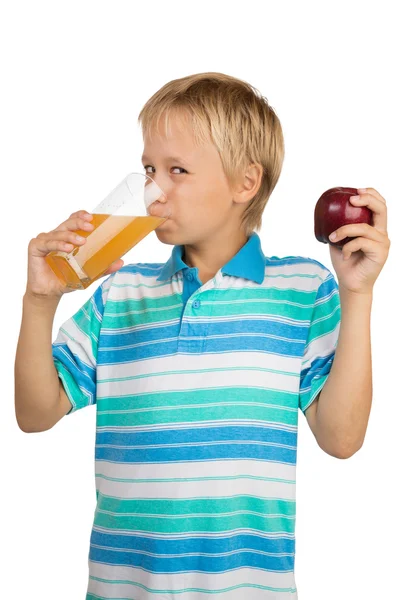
x,y
173,168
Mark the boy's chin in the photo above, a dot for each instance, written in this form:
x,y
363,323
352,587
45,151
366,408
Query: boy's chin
x,y
166,237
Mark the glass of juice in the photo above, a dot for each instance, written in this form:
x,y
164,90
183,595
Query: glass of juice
x,y
132,210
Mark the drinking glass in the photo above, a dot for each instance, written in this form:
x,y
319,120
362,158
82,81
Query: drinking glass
x,y
131,211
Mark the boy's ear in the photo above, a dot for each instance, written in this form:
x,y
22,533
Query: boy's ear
x,y
249,184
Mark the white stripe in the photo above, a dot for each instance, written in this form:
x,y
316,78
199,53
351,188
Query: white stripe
x,y
205,423
77,341
208,581
249,317
322,346
192,489
182,362
199,534
200,381
145,288
197,469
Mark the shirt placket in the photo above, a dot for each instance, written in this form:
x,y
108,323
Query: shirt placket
x,y
192,336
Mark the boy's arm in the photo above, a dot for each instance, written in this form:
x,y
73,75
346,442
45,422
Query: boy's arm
x,y
339,418
40,400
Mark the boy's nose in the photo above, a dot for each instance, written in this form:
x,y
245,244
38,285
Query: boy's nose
x,y
153,192
160,208
163,184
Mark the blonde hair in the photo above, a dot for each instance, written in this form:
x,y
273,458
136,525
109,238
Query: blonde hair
x,y
237,118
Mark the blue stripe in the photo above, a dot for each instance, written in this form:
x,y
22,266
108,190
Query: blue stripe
x,y
188,545
196,435
195,453
205,564
84,374
326,288
245,343
319,367
160,331
145,269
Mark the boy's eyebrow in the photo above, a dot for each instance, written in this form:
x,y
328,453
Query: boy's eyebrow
x,y
170,158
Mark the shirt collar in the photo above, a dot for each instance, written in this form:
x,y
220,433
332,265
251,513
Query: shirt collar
x,y
248,263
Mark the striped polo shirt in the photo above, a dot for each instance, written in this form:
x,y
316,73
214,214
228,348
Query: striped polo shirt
x,y
197,390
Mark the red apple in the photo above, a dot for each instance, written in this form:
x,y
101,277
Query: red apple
x,y
333,210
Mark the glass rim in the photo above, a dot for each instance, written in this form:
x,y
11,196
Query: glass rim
x,y
162,193
148,177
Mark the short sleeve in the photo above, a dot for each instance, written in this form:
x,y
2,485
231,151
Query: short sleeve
x,y
75,349
322,338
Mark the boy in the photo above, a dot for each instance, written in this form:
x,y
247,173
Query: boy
x,y
198,366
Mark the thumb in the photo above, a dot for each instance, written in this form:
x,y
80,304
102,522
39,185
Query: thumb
x,y
115,266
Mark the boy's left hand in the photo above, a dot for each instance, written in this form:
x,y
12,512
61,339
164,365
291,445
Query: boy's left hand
x,y
368,252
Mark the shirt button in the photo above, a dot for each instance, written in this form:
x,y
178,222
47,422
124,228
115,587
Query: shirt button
x,y
196,304
189,277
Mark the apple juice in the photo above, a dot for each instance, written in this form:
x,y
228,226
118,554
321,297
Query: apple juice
x,y
112,237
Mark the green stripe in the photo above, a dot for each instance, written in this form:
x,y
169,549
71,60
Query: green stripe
x,y
163,313
191,523
291,302
164,399
73,391
192,507
266,307
243,412
144,303
182,590
325,322
144,317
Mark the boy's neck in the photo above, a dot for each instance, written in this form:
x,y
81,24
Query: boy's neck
x,y
209,257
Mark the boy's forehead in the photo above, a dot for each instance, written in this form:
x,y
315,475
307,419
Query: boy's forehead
x,y
173,138
174,128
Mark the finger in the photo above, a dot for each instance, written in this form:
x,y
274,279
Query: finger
x,y
63,241
355,230
378,208
82,213
41,247
373,192
115,266
370,247
75,223
63,235
99,276
111,269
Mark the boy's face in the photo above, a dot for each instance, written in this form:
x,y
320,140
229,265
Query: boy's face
x,y
193,180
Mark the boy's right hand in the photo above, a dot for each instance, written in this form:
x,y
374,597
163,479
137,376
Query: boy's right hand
x,y
42,281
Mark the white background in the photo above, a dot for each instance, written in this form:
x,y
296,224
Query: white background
x,y
74,76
